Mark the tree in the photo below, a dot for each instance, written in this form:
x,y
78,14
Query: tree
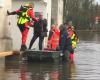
x,y
81,12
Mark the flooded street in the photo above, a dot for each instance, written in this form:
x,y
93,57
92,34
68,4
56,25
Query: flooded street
x,y
86,65
87,57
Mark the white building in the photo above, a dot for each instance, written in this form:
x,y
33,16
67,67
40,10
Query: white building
x,y
5,38
10,36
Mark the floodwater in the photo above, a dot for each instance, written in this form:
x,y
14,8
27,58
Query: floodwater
x,y
86,65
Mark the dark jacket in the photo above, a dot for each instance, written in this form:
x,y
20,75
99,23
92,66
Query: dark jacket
x,y
65,41
40,26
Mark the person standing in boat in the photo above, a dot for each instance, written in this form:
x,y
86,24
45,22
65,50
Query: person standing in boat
x,y
40,30
26,18
53,38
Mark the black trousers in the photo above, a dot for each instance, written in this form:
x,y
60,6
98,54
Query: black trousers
x,y
41,39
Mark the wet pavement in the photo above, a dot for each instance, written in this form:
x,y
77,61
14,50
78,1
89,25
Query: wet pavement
x,y
86,65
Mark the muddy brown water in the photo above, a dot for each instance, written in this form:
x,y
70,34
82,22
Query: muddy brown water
x,y
86,65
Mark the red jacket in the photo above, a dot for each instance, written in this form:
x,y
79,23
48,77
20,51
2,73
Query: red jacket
x,y
30,13
53,40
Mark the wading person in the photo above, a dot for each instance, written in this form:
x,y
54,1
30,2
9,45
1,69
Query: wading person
x,y
25,15
65,43
74,39
40,30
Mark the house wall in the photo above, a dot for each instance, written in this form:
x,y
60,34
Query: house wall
x,y
5,35
60,12
48,9
54,10
57,12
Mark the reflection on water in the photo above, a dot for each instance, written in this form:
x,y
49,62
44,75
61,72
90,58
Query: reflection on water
x,y
86,65
21,70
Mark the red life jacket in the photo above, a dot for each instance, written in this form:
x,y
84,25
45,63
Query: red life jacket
x,y
54,40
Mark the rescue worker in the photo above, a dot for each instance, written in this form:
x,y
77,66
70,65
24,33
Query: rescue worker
x,y
73,36
25,15
40,30
65,43
53,39
74,39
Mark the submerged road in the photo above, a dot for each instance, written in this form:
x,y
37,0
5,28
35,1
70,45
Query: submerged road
x,y
86,65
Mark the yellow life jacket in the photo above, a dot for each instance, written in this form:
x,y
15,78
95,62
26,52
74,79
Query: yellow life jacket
x,y
23,17
73,38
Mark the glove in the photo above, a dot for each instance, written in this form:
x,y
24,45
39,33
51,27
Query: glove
x,y
8,13
31,23
11,13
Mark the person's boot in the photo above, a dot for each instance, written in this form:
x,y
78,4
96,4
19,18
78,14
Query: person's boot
x,y
23,48
71,57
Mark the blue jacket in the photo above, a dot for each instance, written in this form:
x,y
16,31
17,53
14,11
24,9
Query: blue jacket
x,y
65,42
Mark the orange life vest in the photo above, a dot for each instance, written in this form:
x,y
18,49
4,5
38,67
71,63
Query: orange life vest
x,y
54,40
